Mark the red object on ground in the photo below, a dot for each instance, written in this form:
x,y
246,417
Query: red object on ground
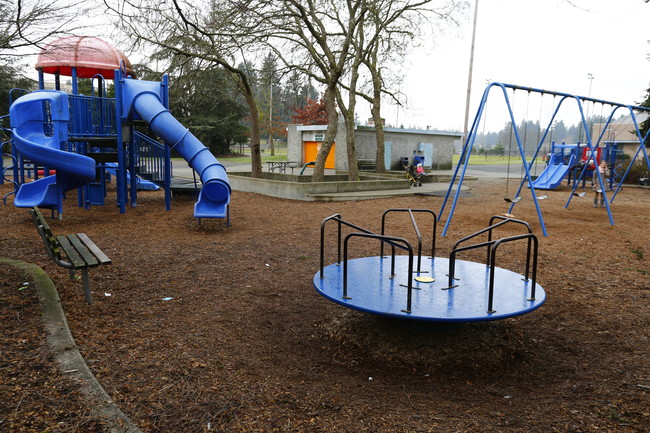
x,y
88,54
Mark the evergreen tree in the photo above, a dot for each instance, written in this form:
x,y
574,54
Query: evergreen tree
x,y
11,78
204,99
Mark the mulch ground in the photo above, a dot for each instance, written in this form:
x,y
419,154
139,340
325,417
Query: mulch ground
x,y
199,328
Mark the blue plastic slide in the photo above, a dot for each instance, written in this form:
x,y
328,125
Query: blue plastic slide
x,y
143,98
554,173
142,183
39,123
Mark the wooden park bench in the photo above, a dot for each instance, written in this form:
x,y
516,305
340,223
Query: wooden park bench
x,y
366,164
80,252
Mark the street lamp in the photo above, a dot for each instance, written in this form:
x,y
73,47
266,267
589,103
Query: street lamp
x,y
590,77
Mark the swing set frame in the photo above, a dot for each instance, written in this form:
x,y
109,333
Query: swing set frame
x,y
461,167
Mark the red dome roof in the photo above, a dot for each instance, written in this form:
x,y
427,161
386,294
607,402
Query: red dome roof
x,y
90,55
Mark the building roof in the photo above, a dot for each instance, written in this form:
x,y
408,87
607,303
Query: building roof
x,y
387,130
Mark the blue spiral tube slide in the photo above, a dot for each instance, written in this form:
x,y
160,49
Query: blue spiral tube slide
x,y
39,124
143,99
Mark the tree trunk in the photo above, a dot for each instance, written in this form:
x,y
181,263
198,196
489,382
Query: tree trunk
x,y
379,133
256,157
350,138
350,132
375,110
330,134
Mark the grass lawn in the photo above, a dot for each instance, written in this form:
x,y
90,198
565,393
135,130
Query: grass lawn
x,y
489,160
281,155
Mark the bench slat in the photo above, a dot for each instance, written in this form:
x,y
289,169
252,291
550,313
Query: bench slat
x,y
85,254
71,252
103,258
45,232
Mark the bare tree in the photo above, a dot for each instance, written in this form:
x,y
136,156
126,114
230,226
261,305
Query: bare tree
x,y
331,39
209,31
328,40
395,27
315,38
31,23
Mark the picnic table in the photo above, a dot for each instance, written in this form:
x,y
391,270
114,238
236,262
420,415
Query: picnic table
x,y
281,166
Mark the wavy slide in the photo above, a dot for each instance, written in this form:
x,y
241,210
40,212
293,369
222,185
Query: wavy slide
x,y
215,193
39,123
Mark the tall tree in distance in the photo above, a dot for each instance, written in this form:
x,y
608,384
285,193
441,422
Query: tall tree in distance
x,y
11,78
268,87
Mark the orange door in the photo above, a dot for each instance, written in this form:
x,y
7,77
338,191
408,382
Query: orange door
x,y
310,153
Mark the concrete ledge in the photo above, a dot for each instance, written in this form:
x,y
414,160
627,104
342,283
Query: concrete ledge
x,y
65,352
301,188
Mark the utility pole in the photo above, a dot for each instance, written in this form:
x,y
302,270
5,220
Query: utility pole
x,y
271,119
469,77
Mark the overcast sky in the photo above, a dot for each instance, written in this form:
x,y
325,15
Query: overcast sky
x,y
549,44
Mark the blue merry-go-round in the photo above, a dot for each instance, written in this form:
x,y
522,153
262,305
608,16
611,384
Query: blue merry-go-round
x,y
428,288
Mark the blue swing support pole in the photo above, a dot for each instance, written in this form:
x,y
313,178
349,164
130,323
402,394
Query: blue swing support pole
x,y
641,147
580,100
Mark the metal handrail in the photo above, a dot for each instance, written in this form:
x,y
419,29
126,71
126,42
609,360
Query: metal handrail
x,y
515,221
150,158
491,226
395,242
417,231
337,218
92,116
492,246
10,155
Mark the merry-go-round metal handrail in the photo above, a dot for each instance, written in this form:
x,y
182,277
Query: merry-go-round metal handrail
x,y
417,231
395,242
492,246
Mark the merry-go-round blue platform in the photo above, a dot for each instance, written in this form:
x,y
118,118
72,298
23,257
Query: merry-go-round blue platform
x,y
371,289
428,288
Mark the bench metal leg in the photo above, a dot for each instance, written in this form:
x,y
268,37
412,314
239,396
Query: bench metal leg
x,y
86,284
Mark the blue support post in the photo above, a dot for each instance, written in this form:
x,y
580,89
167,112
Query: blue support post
x,y
120,173
168,157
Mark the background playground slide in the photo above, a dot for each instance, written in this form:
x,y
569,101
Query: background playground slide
x,y
215,192
39,123
553,175
142,183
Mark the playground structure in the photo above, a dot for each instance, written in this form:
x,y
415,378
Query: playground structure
x,y
568,161
429,288
591,147
84,140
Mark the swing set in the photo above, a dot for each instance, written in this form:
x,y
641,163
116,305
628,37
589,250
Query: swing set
x,y
526,179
